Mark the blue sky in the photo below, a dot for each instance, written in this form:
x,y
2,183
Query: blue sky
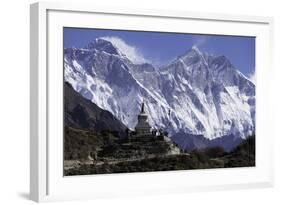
x,y
160,48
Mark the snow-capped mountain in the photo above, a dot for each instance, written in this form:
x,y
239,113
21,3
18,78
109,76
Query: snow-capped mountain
x,y
196,94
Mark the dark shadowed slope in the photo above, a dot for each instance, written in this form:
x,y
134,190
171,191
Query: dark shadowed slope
x,y
82,113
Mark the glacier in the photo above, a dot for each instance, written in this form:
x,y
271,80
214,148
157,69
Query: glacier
x,y
197,94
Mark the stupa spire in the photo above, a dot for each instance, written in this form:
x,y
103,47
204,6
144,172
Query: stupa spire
x,y
142,106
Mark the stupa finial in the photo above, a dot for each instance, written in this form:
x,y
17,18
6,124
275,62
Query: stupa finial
x,y
142,106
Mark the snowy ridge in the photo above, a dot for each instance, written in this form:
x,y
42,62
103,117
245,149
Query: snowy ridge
x,y
197,93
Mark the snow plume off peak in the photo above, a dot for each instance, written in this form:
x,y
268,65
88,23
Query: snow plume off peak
x,y
131,52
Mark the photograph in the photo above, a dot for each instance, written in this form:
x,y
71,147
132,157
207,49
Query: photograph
x,y
149,101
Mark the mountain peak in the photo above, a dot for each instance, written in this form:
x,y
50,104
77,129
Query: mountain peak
x,y
117,46
101,44
195,48
191,56
193,52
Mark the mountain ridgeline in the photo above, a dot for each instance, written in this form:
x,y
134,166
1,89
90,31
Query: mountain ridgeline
x,y
200,99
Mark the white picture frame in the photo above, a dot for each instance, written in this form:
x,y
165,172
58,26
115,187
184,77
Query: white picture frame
x,y
47,182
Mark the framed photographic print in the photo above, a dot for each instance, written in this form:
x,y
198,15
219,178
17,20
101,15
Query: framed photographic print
x,y
128,102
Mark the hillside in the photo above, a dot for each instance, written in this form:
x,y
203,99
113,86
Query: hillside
x,y
82,113
208,158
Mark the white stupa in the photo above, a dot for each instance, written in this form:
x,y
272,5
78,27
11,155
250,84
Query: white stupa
x,y
142,128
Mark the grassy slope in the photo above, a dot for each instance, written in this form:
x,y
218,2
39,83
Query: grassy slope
x,y
79,144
